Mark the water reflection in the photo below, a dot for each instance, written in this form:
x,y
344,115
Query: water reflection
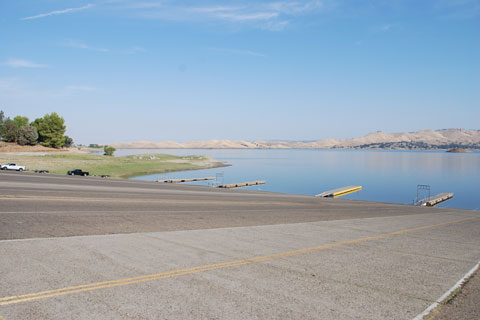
x,y
387,176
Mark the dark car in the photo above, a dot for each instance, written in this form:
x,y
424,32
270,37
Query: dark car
x,y
77,172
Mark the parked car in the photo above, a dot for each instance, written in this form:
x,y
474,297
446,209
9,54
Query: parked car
x,y
77,172
12,166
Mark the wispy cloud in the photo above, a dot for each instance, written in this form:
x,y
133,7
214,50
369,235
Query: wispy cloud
x,y
275,25
295,7
266,11
57,12
136,49
145,5
20,63
238,16
239,52
274,16
215,9
82,45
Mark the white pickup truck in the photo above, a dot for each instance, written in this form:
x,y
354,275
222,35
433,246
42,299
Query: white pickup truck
x,y
12,166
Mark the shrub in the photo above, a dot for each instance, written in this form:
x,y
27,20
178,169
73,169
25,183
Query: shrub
x,y
9,131
108,151
68,142
27,135
2,118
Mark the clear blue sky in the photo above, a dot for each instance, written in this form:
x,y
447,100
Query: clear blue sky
x,y
124,70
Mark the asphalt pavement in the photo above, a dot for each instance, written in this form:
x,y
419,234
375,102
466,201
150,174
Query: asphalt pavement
x,y
91,248
35,205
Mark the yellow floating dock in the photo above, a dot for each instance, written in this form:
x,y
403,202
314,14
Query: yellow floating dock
x,y
339,192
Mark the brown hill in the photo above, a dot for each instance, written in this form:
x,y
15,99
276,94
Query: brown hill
x,y
425,139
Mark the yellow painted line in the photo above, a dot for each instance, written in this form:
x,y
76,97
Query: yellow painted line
x,y
176,273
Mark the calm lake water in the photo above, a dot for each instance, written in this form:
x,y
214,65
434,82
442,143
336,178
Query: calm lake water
x,y
386,176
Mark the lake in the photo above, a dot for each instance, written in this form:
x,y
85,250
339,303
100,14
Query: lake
x,y
386,176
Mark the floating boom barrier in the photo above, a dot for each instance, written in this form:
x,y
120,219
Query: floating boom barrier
x,y
185,180
242,184
339,192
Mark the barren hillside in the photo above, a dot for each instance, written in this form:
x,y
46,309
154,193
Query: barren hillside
x,y
425,139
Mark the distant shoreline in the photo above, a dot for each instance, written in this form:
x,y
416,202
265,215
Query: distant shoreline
x,y
115,167
421,140
466,150
386,149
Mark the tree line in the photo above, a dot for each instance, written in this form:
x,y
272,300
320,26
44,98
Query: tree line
x,y
48,131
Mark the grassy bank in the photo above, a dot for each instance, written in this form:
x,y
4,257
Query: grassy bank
x,y
120,167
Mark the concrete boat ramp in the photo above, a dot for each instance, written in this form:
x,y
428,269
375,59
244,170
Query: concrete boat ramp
x,y
88,248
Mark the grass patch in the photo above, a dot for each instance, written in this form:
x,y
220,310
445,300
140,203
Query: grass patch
x,y
120,167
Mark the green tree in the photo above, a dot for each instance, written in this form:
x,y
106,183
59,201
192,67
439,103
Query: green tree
x,y
68,142
2,118
27,135
9,131
20,121
51,129
108,151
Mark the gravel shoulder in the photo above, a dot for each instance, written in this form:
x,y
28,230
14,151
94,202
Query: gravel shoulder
x,y
464,305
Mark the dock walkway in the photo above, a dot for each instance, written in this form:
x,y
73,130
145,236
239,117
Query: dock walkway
x,y
436,199
242,184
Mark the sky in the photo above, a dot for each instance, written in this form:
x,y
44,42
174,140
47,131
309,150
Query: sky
x,y
159,70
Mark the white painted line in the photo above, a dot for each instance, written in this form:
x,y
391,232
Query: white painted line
x,y
447,294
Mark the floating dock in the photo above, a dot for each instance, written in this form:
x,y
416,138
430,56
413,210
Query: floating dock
x,y
339,192
185,180
242,184
439,198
